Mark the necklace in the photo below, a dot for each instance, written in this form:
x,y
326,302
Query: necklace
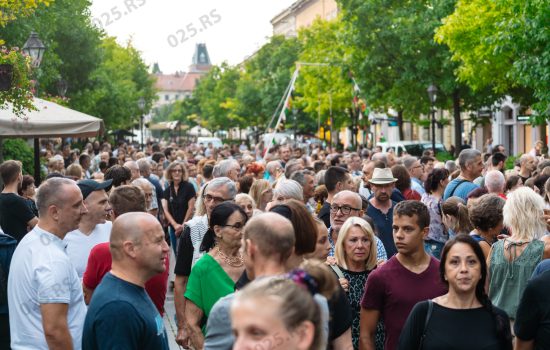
x,y
236,261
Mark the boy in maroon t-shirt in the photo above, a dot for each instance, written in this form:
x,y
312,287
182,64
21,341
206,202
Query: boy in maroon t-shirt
x,y
408,277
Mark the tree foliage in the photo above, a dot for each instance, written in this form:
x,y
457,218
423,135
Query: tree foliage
x,y
502,44
10,10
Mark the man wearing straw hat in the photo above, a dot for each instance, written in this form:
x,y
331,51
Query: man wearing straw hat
x,y
381,207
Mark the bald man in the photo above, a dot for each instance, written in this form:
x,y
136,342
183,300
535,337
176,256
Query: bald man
x,y
121,314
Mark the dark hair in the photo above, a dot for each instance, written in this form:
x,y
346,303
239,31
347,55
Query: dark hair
x,y
102,165
304,225
9,170
486,212
82,158
540,180
207,170
157,156
410,208
497,158
333,175
119,174
434,178
403,177
512,181
27,181
245,183
476,193
335,160
168,152
318,166
112,162
502,323
219,216
425,159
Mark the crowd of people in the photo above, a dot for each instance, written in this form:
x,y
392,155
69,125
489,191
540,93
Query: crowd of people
x,y
279,248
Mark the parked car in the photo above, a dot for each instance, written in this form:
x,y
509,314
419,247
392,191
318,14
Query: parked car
x,y
215,141
413,148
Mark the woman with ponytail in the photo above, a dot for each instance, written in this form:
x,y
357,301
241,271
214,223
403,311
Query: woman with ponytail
x,y
281,313
455,216
464,318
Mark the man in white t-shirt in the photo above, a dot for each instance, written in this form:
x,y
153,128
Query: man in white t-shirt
x,y
94,227
45,298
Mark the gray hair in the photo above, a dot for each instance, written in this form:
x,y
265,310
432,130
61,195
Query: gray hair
x,y
142,182
131,164
320,177
300,176
223,182
450,165
409,161
467,156
381,157
494,181
523,213
51,193
524,158
271,166
292,166
144,166
222,168
288,189
355,195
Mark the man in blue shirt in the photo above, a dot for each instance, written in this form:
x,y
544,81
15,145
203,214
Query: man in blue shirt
x,y
121,314
471,166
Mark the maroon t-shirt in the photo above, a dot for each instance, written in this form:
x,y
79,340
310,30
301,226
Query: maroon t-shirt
x,y
99,263
394,290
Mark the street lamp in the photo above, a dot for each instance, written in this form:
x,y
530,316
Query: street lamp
x,y
141,106
295,115
432,93
35,49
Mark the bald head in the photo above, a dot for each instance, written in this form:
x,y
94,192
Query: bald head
x,y
273,234
350,198
131,227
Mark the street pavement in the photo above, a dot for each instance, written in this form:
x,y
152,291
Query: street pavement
x,y
170,320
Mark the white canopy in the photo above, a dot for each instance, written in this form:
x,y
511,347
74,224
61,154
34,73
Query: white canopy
x,y
49,120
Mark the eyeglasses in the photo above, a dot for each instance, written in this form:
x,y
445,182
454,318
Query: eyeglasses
x,y
238,226
345,209
176,171
210,198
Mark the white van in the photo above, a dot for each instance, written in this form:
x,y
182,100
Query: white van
x,y
413,148
215,141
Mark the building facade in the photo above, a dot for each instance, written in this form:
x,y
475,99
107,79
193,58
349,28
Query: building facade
x,y
301,14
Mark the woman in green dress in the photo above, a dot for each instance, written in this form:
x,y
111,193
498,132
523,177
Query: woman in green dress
x,y
215,274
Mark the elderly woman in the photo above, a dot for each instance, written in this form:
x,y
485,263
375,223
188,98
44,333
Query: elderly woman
x,y
513,259
355,255
262,193
285,190
215,274
148,189
178,200
246,203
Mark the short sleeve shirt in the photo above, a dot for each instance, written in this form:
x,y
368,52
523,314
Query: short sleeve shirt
x,y
41,273
80,245
393,290
178,202
15,213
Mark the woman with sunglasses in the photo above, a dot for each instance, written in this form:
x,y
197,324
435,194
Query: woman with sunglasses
x,y
178,200
215,273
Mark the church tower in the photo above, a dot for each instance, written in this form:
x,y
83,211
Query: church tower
x,y
201,60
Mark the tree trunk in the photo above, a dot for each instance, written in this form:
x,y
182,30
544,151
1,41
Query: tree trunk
x,y
457,121
400,125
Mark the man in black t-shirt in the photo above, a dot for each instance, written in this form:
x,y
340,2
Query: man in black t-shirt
x,y
532,326
16,218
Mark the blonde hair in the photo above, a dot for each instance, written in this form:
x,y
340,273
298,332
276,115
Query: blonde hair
x,y
257,190
339,250
246,196
523,213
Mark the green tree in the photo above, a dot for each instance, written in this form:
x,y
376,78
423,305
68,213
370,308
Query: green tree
x,y
395,58
12,10
117,84
504,45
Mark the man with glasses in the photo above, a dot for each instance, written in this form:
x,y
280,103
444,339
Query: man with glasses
x,y
217,191
381,207
416,170
346,204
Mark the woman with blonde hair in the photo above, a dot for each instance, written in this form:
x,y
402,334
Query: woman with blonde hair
x,y
355,254
512,260
262,193
246,202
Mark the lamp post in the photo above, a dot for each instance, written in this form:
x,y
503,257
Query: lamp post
x,y
432,93
295,115
141,106
35,49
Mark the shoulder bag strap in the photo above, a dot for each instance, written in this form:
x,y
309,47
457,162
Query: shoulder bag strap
x,y
458,184
428,316
337,270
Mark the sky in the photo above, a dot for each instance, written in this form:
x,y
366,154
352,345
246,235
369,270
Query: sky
x,y
166,31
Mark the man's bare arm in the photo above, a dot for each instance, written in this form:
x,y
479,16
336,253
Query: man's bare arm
x,y
367,326
56,327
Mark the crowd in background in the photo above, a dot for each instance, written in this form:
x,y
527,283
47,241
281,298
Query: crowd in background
x,y
275,248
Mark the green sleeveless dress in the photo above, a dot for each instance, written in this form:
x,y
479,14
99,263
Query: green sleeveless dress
x,y
507,279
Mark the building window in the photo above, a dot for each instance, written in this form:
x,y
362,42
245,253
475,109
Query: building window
x,y
166,97
177,97
508,113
